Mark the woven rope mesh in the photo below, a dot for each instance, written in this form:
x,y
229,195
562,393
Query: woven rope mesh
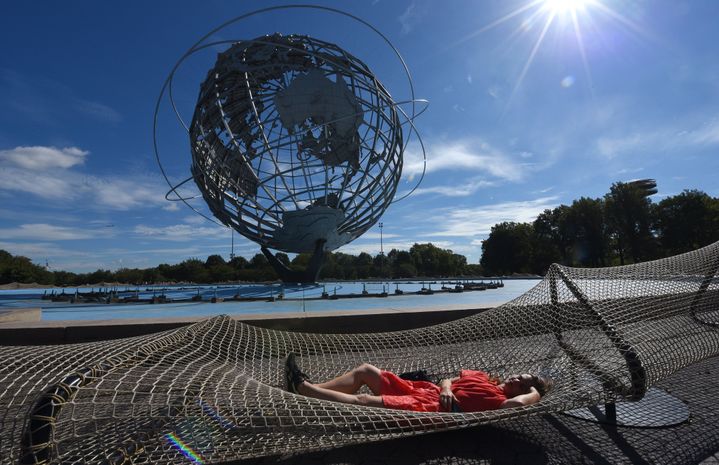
x,y
214,391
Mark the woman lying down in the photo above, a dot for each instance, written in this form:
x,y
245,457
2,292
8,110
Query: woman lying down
x,y
471,391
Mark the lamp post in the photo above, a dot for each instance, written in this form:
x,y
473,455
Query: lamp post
x,y
381,247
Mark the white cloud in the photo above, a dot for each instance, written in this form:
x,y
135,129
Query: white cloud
x,y
124,194
543,191
412,16
376,235
48,232
610,147
479,220
467,156
46,185
49,173
182,232
30,249
708,134
193,219
38,158
469,79
98,111
661,139
45,101
373,248
461,190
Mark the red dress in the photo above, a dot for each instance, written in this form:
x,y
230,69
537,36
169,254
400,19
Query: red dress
x,y
474,392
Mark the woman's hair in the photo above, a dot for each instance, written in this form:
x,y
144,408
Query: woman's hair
x,y
542,384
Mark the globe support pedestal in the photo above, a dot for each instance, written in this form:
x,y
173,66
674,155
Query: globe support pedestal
x,y
308,275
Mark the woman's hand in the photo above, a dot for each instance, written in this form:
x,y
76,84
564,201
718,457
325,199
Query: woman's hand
x,y
446,397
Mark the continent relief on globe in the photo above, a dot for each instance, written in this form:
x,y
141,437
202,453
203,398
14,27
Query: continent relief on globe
x,y
312,97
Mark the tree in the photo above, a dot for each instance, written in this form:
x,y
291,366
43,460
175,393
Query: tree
x,y
554,237
507,249
687,221
590,235
283,258
239,262
402,265
547,244
214,260
380,266
192,270
363,265
628,218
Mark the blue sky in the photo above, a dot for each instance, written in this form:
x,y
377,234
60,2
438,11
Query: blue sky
x,y
515,124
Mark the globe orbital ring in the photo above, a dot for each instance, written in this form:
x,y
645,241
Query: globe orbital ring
x,y
167,85
408,119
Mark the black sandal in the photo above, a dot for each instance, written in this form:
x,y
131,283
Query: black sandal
x,y
293,375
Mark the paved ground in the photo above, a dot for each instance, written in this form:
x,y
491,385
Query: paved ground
x,y
557,439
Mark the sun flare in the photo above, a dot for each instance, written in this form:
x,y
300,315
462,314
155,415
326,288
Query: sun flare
x,y
566,6
542,18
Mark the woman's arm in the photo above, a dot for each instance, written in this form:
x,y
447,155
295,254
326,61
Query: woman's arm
x,y
532,397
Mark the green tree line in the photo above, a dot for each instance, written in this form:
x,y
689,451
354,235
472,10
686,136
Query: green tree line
x,y
420,260
623,227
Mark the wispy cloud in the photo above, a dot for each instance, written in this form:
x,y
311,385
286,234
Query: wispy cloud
x,y
373,248
49,232
376,235
707,134
50,173
412,16
461,190
469,156
610,147
46,101
38,158
661,139
182,232
30,249
479,220
98,111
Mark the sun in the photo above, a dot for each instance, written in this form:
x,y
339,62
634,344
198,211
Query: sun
x,y
538,17
558,7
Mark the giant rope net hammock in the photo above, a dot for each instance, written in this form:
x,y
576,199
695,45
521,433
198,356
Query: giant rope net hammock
x,y
213,391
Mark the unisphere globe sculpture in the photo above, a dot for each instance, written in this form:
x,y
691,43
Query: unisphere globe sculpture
x,y
295,141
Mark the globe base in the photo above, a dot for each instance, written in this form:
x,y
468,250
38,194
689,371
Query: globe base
x,y
308,275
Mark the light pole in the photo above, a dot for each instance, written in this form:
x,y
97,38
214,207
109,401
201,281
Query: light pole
x,y
381,250
381,246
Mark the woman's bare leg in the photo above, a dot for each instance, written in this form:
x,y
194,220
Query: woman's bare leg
x,y
352,381
313,390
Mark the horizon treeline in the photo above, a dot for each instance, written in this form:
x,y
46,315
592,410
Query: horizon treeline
x,y
623,227
421,260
